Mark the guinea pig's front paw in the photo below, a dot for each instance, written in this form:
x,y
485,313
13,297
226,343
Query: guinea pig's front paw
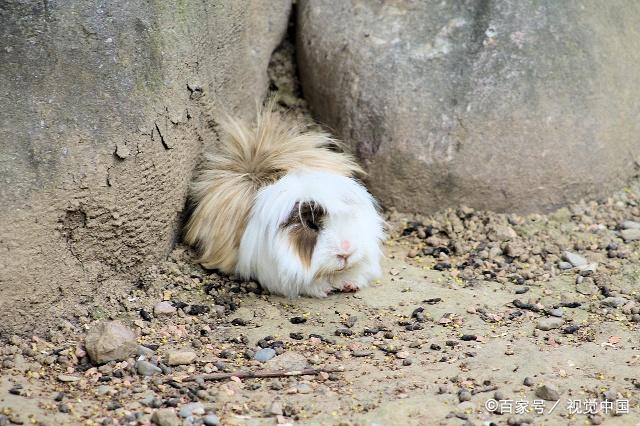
x,y
319,290
349,286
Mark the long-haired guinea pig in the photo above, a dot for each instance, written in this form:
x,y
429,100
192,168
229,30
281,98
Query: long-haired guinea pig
x,y
274,203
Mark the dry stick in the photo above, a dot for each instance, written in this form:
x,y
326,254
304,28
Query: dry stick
x,y
265,374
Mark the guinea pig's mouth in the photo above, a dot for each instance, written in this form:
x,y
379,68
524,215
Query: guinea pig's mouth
x,y
344,265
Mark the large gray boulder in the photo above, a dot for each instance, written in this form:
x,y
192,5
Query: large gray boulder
x,y
505,105
101,124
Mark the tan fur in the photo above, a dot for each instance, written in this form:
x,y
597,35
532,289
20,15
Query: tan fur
x,y
305,223
304,241
247,159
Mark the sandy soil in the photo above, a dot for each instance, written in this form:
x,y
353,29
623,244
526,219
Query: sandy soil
x,y
425,347
473,308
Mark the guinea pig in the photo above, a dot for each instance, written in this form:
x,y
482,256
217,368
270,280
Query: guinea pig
x,y
274,203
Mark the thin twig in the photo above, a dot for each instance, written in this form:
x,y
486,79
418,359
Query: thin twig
x,y
264,374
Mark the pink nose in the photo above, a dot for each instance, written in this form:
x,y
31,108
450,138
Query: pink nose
x,y
345,245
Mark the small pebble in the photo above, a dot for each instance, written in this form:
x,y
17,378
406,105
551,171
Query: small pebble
x,y
442,389
464,395
546,324
574,259
180,357
110,341
351,321
239,322
632,234
68,378
195,408
275,409
164,308
630,224
528,381
571,329
564,265
145,368
519,421
296,336
165,417
589,270
211,420
557,312
548,392
614,302
264,354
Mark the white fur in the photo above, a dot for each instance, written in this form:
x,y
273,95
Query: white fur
x,y
267,255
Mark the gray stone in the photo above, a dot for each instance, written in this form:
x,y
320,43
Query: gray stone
x,y
68,378
164,308
548,392
575,259
275,409
630,224
99,129
464,395
501,233
490,104
632,234
145,368
564,265
610,395
195,408
145,351
557,312
546,324
211,420
110,341
264,354
614,301
103,390
165,417
180,357
519,420
588,270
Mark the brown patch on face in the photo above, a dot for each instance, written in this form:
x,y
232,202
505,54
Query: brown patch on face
x,y
304,225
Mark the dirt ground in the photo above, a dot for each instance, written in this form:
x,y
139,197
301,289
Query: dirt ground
x,y
421,346
480,318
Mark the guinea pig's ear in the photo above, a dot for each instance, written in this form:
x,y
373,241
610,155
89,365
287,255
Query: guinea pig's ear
x,y
306,214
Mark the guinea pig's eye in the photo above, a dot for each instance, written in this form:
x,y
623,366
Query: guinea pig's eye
x,y
309,214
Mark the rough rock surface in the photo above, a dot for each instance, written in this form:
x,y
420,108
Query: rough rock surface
x,y
101,125
110,341
509,106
